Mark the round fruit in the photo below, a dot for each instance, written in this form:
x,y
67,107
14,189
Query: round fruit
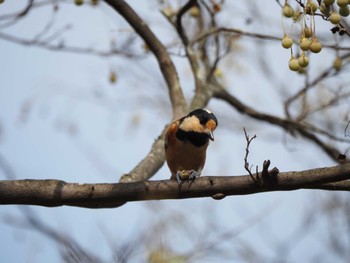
x,y
112,77
195,12
293,64
329,2
79,2
305,44
297,15
342,3
303,61
325,9
337,63
315,46
335,18
311,7
307,32
288,10
344,11
287,41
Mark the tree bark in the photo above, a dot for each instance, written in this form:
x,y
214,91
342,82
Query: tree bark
x,y
58,193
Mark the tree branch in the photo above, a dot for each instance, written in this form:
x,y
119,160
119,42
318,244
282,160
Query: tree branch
x,y
166,65
58,193
150,164
155,158
219,30
288,125
66,48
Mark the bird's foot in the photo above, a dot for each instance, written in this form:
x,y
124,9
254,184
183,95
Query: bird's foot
x,y
194,174
179,177
186,175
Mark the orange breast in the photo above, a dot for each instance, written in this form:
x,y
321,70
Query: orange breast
x,y
183,155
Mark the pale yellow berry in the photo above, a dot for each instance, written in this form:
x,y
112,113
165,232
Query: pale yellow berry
x,y
303,61
293,64
195,11
325,9
287,41
288,10
307,32
342,3
344,11
337,63
315,46
305,44
79,2
311,7
335,18
297,15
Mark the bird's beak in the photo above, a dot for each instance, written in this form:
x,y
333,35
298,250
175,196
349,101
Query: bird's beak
x,y
211,135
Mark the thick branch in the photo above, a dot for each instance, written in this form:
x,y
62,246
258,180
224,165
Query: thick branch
x,y
153,161
166,65
155,158
58,193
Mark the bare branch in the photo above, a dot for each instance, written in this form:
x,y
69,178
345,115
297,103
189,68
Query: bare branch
x,y
166,65
18,14
328,72
345,133
58,193
150,164
46,44
288,125
179,15
246,163
155,158
219,30
191,53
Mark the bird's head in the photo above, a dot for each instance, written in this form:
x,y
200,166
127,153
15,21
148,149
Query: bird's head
x,y
200,121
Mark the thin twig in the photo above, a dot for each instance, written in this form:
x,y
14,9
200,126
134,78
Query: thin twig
x,y
345,133
246,163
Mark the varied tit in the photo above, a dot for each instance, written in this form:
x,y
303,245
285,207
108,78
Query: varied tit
x,y
186,143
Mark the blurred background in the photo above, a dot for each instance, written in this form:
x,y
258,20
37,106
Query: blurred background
x,y
82,100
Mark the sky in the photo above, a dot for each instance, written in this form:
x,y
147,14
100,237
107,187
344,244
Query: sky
x,y
61,118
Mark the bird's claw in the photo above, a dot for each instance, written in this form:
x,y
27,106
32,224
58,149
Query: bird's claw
x,y
193,176
178,178
189,175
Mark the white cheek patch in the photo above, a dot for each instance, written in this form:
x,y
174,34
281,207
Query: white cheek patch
x,y
191,124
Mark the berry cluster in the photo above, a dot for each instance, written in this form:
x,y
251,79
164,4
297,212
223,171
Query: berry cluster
x,y
308,41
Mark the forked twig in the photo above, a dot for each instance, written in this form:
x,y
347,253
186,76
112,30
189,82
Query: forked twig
x,y
246,163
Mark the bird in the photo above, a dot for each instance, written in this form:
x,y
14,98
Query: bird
x,y
186,143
